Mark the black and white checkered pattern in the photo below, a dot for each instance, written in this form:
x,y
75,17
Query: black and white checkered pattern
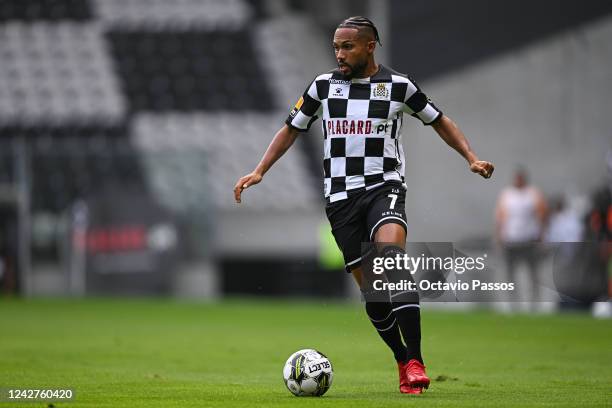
x,y
362,120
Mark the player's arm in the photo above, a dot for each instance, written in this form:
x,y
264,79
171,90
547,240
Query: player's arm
x,y
541,212
454,137
500,217
541,207
281,142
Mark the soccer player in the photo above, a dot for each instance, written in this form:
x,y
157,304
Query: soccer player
x,y
361,104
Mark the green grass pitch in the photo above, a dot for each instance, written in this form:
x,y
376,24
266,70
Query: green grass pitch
x,y
163,353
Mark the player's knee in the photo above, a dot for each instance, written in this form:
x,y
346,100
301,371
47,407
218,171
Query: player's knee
x,y
391,233
392,251
393,260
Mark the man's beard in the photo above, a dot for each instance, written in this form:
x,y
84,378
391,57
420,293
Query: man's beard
x,y
357,70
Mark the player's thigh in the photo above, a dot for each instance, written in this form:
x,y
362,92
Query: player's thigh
x,y
349,232
388,206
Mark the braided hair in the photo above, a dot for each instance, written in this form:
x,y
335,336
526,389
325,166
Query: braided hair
x,y
360,22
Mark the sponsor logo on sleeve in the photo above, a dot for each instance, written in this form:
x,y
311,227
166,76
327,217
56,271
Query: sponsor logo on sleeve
x,y
297,107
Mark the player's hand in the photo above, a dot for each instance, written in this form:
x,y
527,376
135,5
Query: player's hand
x,y
484,168
245,182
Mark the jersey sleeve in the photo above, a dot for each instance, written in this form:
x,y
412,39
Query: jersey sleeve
x,y
417,104
306,110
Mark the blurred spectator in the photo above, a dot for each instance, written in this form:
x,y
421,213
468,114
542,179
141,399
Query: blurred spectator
x,y
564,224
564,238
600,216
599,231
520,217
582,271
9,274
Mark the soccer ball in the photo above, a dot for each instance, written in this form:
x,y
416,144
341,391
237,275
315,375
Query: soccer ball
x,y
308,372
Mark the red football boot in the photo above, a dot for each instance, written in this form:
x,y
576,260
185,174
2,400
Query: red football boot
x,y
403,378
417,378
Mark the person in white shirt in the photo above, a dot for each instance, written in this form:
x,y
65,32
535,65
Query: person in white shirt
x,y
520,218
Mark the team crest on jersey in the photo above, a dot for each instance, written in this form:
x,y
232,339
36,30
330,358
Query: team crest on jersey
x,y
381,91
297,107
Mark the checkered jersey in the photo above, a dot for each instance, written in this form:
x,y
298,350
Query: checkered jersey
x,y
362,120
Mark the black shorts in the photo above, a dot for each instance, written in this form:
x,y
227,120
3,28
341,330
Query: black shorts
x,y
355,220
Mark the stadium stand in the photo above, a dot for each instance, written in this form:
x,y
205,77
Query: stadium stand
x,y
210,140
68,163
190,70
55,73
171,98
41,10
178,14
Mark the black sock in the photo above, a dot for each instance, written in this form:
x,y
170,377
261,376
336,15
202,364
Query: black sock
x,y
406,308
383,319
409,321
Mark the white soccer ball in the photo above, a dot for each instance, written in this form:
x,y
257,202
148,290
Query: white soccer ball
x,y
308,372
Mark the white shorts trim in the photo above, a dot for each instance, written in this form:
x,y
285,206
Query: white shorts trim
x,y
353,262
386,218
